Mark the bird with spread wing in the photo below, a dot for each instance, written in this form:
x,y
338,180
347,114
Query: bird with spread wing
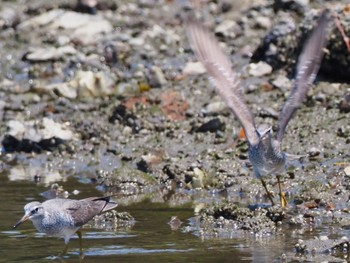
x,y
265,153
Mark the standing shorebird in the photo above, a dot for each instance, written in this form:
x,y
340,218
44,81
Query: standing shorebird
x,y
64,217
265,152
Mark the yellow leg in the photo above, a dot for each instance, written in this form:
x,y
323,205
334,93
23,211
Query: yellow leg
x,y
267,191
283,199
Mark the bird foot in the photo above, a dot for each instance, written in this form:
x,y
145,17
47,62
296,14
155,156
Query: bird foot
x,y
284,202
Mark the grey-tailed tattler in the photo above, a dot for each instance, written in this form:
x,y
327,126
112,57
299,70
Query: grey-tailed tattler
x,y
265,152
64,217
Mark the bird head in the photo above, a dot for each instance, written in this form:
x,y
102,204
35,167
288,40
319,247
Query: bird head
x,y
32,211
265,133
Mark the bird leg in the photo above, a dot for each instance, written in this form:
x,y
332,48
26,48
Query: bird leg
x,y
267,191
81,255
80,242
283,198
64,252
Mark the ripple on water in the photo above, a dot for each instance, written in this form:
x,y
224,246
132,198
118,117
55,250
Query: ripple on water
x,y
120,250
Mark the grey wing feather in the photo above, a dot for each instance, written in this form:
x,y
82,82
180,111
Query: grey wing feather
x,y
109,205
307,68
207,49
82,211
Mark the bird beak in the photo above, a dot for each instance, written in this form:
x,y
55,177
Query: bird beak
x,y
23,219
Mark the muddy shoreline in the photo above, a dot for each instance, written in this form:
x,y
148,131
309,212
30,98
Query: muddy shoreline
x,y
123,107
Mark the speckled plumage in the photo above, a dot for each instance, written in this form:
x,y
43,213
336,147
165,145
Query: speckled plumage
x,y
64,217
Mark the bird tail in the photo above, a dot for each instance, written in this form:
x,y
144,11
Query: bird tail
x,y
109,205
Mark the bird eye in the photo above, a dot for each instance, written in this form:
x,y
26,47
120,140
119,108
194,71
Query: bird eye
x,y
35,210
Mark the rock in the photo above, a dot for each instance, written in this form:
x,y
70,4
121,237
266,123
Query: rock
x,y
2,107
50,129
268,112
263,22
127,88
8,17
64,90
112,220
153,158
49,54
86,6
89,83
85,84
137,42
313,152
91,32
40,20
157,78
291,5
198,178
35,136
175,223
214,108
259,69
344,104
81,28
212,126
63,40
282,82
227,28
282,44
125,117
164,36
347,171
16,129
193,68
224,219
269,49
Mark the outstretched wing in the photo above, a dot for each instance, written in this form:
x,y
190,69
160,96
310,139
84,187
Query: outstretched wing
x,y
308,65
208,52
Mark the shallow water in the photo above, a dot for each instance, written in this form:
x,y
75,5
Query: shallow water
x,y
151,238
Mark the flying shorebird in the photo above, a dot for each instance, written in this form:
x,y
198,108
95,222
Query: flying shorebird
x,y
64,217
265,152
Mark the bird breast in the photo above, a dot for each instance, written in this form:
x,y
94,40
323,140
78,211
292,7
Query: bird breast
x,y
54,223
266,159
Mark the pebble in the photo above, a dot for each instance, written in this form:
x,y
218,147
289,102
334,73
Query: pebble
x,y
282,82
344,104
347,171
49,53
63,89
259,69
39,130
227,28
83,29
8,16
214,108
263,22
157,77
84,85
193,68
137,42
212,126
314,152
